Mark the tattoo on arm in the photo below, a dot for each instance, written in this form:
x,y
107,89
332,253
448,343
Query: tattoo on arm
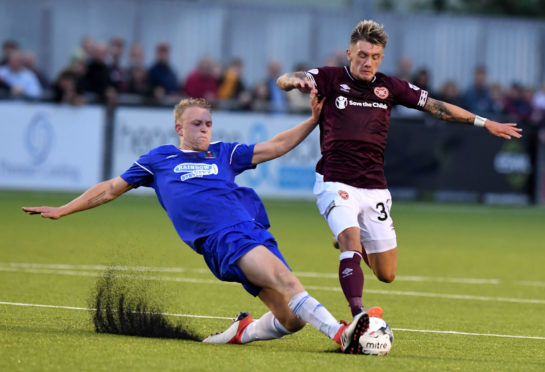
x,y
97,200
441,111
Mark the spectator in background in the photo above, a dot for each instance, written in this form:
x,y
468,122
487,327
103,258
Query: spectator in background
x,y
136,74
336,59
477,97
22,82
117,73
84,51
277,97
7,48
518,104
162,79
404,68
260,97
497,97
450,92
422,79
231,86
97,79
29,61
538,104
202,82
298,101
66,89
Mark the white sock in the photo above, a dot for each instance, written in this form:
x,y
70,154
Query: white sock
x,y
265,328
314,313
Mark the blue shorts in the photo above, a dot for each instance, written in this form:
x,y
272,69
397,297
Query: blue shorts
x,y
222,250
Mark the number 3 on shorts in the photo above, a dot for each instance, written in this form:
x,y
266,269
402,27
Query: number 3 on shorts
x,y
383,212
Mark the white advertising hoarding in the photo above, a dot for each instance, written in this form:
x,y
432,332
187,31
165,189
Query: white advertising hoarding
x,y
138,130
50,147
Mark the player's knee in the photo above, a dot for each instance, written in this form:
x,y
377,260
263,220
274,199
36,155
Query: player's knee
x,y
287,282
386,276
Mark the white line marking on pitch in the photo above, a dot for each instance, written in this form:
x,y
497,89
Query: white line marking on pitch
x,y
311,287
409,278
227,318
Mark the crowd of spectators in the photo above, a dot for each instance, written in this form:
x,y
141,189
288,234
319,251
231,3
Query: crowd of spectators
x,y
96,73
519,103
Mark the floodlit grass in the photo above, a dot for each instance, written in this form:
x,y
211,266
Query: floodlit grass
x,y
469,269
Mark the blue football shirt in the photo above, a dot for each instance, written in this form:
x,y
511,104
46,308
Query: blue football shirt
x,y
198,189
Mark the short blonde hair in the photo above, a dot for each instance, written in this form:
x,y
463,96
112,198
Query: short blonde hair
x,y
189,102
370,31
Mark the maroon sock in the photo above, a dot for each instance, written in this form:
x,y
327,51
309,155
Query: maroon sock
x,y
351,278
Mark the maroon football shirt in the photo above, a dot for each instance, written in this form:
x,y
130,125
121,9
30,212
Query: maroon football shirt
x,y
354,123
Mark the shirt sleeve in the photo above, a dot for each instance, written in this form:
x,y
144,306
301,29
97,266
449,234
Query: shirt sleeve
x,y
408,94
319,77
140,173
240,157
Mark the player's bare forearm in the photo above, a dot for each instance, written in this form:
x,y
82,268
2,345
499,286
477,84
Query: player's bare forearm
x,y
97,195
448,112
287,140
292,80
282,142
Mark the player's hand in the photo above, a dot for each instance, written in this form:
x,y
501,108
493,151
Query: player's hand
x,y
316,104
302,85
503,130
45,212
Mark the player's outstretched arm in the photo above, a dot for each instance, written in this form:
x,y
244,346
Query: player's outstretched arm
x,y
97,195
287,140
446,111
295,80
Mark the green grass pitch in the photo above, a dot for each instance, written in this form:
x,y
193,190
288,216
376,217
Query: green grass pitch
x,y
468,277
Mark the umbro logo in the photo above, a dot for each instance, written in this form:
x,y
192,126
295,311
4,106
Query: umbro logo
x,y
347,272
345,88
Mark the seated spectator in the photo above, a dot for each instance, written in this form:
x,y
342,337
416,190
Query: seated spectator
x,y
136,74
277,97
336,59
7,47
66,90
261,100
497,98
516,103
29,61
117,73
404,68
477,97
162,80
22,82
450,93
298,101
97,79
422,79
538,103
84,51
232,88
203,82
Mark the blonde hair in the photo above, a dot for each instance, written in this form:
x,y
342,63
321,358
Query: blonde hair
x,y
189,102
370,31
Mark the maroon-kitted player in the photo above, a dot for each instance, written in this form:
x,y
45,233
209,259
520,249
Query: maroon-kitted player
x,y
350,186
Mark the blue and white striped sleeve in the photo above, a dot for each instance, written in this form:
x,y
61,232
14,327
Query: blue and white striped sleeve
x,y
140,173
240,157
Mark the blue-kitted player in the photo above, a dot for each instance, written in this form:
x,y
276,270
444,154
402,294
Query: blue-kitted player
x,y
225,223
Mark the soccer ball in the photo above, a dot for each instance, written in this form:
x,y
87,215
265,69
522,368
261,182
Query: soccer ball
x,y
378,339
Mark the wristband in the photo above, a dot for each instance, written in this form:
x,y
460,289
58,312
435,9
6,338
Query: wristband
x,y
479,121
